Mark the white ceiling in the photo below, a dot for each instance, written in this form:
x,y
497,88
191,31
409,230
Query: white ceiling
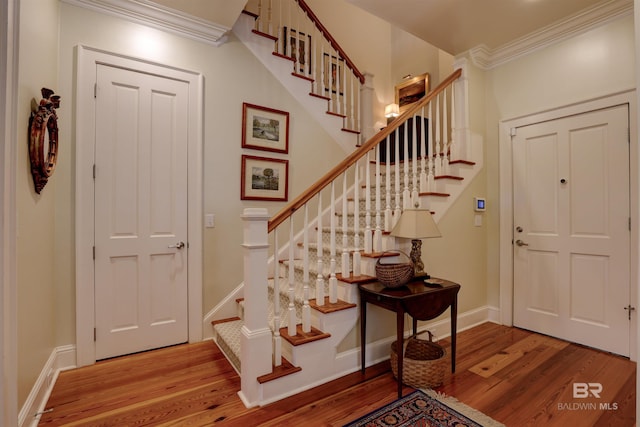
x,y
456,26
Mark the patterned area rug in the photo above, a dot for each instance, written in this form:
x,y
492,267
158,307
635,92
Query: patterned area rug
x,y
425,408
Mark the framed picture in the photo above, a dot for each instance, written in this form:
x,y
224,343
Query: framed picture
x,y
411,90
333,69
265,128
264,179
297,46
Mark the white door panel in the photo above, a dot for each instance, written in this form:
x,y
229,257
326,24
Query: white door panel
x,y
141,212
571,236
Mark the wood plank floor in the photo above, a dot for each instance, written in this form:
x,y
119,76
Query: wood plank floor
x,y
516,377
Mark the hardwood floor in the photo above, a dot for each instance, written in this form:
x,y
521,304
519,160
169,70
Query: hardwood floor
x,y
516,377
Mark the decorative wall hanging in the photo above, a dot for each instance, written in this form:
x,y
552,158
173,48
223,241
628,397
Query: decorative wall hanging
x,y
265,128
412,90
264,179
43,139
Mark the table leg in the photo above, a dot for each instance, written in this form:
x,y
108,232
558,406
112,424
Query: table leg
x,y
415,325
363,332
399,348
454,320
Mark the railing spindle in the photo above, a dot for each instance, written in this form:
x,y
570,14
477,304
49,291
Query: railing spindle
x,y
414,162
357,266
398,210
319,250
333,280
387,212
292,290
277,339
345,267
438,168
306,309
406,194
377,234
424,148
445,132
368,235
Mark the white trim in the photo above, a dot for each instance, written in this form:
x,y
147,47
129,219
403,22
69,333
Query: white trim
x,y
586,20
9,78
85,119
506,196
152,14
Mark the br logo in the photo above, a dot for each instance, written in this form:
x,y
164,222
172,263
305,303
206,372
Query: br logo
x,y
584,390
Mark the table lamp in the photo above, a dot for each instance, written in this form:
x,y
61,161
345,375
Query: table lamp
x,y
416,224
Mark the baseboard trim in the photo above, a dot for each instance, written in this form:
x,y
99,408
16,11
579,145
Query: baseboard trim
x,y
61,359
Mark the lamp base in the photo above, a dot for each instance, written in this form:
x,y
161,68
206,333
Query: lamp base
x,y
416,258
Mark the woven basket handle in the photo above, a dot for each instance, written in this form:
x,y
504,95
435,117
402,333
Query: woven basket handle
x,y
393,252
415,336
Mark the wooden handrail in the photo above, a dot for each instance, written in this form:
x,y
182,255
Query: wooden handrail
x,y
350,160
305,7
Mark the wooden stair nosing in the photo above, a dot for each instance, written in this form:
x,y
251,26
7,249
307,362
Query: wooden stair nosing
x,y
269,36
285,368
229,319
303,337
302,76
462,162
363,278
434,193
357,132
247,12
279,55
454,177
330,307
331,113
326,98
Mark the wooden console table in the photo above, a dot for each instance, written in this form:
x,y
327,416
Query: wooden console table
x,y
420,300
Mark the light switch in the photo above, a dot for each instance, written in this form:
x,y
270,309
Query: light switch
x,y
209,221
477,221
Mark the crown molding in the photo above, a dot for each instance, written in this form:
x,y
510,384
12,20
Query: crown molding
x,y
487,58
149,13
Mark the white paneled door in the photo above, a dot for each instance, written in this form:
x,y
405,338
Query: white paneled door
x,y
140,212
571,228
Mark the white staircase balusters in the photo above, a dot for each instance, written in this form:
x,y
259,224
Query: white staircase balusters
x,y
357,260
445,135
333,280
438,148
424,149
387,169
453,150
368,233
398,209
377,234
406,194
345,268
319,250
306,309
431,150
291,327
415,202
277,339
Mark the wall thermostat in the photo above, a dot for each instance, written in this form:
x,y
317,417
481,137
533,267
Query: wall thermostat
x,y
479,204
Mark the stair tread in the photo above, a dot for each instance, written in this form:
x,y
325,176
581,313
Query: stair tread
x,y
303,337
285,368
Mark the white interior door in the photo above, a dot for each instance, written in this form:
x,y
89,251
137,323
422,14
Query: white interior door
x,y
571,228
140,212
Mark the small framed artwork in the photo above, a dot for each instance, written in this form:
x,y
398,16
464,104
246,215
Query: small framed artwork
x,y
297,46
264,179
411,90
265,128
333,69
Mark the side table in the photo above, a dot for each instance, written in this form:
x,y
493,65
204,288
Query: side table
x,y
421,300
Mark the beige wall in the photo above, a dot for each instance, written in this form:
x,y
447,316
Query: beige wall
x,y
590,65
36,245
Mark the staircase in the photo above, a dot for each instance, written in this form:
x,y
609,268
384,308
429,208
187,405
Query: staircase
x,y
303,265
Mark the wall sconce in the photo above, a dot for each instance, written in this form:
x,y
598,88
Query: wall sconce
x,y
391,111
416,224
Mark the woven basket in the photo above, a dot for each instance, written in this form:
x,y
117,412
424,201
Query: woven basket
x,y
394,275
424,363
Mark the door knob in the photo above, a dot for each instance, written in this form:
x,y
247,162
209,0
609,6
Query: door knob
x,y
178,245
521,243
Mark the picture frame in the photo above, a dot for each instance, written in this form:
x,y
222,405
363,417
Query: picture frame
x,y
264,179
412,90
333,73
265,128
297,46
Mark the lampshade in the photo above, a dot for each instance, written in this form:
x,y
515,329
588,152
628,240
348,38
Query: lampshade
x,y
416,224
391,110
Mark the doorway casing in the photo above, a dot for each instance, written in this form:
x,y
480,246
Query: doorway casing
x,y
506,197
85,132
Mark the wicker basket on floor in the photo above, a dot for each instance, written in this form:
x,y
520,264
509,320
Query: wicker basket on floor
x,y
394,275
424,363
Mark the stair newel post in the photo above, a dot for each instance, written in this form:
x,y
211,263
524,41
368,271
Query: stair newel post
x,y
414,162
256,337
387,175
406,194
345,267
445,134
277,339
368,236
319,250
306,310
357,261
333,280
424,146
291,276
377,234
438,167
398,209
